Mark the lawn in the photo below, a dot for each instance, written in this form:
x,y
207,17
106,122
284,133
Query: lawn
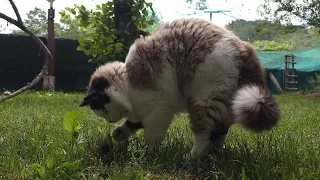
x,y
35,143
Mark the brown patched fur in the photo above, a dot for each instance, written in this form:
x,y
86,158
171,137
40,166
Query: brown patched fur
x,y
170,58
106,75
253,73
182,44
206,116
251,68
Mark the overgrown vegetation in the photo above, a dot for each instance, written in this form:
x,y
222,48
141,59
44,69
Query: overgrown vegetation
x,y
110,29
274,36
271,46
40,138
306,11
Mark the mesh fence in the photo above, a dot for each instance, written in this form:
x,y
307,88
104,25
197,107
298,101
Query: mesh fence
x,y
308,63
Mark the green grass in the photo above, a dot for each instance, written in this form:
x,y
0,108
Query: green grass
x,y
34,144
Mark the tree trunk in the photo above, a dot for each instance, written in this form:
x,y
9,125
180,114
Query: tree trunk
x,y
123,16
48,78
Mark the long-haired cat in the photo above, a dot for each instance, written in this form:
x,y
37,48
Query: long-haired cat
x,y
188,65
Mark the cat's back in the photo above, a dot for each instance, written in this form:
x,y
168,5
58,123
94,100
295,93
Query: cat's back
x,y
179,45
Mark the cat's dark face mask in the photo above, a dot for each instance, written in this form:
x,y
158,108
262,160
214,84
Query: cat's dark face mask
x,y
97,102
104,107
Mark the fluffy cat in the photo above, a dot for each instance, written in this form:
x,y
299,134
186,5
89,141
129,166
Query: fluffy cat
x,y
188,65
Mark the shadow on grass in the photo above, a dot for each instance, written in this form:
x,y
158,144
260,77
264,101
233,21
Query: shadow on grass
x,y
234,161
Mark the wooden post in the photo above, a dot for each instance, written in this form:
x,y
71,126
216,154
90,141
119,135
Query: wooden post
x,y
275,82
48,78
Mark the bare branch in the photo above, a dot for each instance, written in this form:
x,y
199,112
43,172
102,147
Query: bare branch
x,y
9,19
28,86
20,24
16,12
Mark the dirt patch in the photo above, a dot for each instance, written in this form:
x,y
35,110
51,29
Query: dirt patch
x,y
314,95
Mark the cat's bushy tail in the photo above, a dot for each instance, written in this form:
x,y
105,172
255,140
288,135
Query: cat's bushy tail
x,y
253,104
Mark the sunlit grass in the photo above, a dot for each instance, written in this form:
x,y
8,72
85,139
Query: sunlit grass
x,y
34,144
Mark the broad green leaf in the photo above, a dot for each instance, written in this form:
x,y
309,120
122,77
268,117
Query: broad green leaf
x,y
149,4
62,13
83,8
145,12
109,40
68,9
80,48
110,4
73,11
119,50
70,121
87,52
81,39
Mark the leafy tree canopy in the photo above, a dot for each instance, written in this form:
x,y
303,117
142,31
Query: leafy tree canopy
x,y
110,29
260,29
274,36
305,11
37,23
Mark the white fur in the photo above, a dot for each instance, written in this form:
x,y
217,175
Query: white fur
x,y
101,113
131,54
114,112
246,99
119,93
201,145
216,77
217,74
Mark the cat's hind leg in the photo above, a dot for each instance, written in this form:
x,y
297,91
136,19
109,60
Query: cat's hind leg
x,y
156,124
210,122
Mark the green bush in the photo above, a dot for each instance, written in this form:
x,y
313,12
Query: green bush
x,y
271,46
101,40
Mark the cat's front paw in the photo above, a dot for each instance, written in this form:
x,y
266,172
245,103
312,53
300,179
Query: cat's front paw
x,y
201,149
120,133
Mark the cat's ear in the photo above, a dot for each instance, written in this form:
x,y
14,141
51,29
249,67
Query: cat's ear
x,y
87,100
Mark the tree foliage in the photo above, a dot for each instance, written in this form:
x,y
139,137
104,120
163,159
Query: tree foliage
x,y
156,24
306,11
109,30
267,45
274,36
197,4
260,29
37,23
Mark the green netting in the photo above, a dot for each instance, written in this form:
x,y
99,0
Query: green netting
x,y
308,63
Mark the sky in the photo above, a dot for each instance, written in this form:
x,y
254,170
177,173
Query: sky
x,y
169,9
